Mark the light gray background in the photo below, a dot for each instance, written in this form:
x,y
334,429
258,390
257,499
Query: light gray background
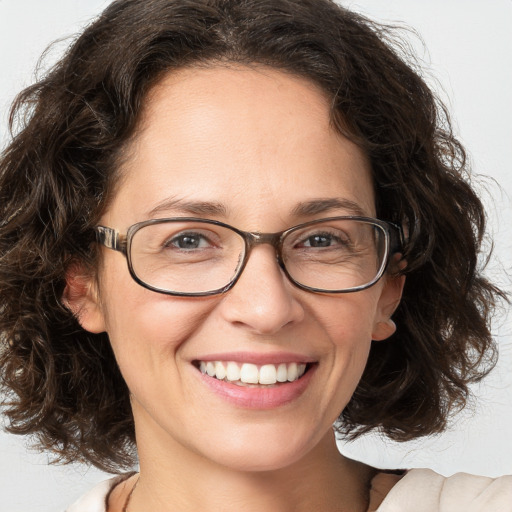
x,y
470,52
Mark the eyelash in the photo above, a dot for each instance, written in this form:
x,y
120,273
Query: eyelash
x,y
330,236
175,239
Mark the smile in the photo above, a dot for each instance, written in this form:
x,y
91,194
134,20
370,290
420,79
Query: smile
x,y
252,374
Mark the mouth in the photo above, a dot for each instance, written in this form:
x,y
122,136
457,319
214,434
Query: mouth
x,y
253,375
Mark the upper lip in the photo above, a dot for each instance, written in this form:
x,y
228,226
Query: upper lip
x,y
257,358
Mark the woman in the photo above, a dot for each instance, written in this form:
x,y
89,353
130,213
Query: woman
x,y
224,224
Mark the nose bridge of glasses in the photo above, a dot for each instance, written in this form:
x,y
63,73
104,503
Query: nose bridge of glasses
x,y
256,238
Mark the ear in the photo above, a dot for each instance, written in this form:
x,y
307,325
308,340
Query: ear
x,y
81,298
390,297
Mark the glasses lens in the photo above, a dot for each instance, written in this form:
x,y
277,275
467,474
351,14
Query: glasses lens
x,y
335,255
186,257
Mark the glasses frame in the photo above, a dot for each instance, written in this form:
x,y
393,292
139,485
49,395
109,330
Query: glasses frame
x,y
112,239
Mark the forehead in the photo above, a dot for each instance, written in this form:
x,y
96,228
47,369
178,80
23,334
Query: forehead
x,y
254,140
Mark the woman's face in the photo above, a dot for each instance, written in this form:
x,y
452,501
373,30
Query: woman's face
x,y
252,147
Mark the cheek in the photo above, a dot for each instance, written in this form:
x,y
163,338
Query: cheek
x,y
348,322
156,324
147,328
348,319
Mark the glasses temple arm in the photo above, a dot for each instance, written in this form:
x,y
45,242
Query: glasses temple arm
x,y
398,239
110,238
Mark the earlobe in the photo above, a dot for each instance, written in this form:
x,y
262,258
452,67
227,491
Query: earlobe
x,y
80,296
383,330
389,300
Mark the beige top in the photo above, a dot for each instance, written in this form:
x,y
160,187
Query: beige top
x,y
419,490
423,490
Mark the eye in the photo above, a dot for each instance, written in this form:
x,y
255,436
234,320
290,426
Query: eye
x,y
322,240
188,241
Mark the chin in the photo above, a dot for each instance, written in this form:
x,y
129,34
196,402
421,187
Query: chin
x,y
260,452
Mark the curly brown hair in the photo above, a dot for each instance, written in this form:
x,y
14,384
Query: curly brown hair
x,y
56,178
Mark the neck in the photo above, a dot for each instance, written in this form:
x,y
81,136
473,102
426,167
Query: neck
x,y
174,478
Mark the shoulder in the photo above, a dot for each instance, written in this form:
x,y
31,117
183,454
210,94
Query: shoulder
x,y
423,490
96,499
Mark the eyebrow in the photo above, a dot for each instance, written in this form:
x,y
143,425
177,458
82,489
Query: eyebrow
x,y
303,209
190,207
316,206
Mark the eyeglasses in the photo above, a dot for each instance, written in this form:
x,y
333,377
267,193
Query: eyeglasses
x,y
192,257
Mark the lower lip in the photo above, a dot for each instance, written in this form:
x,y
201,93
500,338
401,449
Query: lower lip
x,y
259,397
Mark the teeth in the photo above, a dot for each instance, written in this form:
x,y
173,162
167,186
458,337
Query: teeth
x,y
233,372
220,371
282,373
210,369
268,374
248,373
293,372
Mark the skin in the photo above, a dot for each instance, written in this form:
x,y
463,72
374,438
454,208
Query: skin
x,y
259,142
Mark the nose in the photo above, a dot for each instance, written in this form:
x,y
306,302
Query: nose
x,y
263,300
